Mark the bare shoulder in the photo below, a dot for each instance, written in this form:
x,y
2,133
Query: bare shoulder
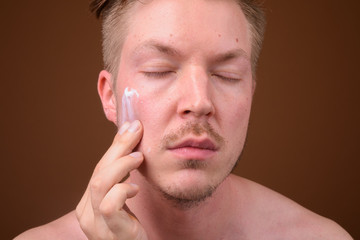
x,y
283,218
66,227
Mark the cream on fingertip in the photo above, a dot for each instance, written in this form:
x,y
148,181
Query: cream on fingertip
x,y
135,125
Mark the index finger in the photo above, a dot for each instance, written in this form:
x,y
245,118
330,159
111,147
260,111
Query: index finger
x,y
126,139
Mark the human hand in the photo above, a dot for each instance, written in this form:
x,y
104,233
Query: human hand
x,y
102,212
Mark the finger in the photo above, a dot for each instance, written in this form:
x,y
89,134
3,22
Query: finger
x,y
111,175
81,205
85,215
124,142
112,209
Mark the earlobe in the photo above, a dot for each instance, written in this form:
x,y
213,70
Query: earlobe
x,y
107,95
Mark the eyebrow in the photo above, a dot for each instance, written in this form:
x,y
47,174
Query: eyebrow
x,y
168,50
158,46
229,55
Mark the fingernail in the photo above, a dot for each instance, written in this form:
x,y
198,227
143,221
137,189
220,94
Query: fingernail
x,y
135,125
136,154
124,127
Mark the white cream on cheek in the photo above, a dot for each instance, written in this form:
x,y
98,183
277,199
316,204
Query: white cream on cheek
x,y
128,101
148,150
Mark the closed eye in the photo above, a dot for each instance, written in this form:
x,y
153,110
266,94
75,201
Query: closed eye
x,y
157,74
226,78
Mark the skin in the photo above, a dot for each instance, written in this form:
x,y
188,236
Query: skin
x,y
192,69
192,88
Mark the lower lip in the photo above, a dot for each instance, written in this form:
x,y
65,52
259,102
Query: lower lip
x,y
193,153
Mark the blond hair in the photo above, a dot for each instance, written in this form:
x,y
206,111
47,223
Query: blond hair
x,y
114,14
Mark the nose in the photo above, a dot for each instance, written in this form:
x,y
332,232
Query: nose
x,y
195,100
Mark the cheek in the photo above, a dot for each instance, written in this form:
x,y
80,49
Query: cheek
x,y
138,103
242,112
238,120
154,106
153,114
141,102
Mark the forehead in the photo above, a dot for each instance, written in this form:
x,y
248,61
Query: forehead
x,y
198,25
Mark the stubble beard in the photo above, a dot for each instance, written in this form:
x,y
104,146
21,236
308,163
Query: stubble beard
x,y
186,199
194,197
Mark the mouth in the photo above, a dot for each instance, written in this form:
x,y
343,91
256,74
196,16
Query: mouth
x,y
195,149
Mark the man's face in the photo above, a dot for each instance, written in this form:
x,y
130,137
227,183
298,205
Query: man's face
x,y
188,62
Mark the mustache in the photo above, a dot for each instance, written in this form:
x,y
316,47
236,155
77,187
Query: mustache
x,y
194,128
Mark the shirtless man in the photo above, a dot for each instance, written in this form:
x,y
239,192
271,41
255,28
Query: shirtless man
x,y
179,82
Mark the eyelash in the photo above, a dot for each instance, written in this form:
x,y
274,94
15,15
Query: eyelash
x,y
157,74
226,78
165,74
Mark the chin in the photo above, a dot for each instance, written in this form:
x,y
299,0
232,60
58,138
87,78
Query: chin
x,y
185,184
187,198
189,188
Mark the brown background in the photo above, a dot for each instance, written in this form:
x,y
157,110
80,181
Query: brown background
x,y
303,139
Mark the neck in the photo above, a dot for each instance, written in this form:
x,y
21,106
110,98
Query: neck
x,y
162,219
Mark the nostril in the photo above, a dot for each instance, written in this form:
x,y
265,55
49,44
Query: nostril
x,y
187,111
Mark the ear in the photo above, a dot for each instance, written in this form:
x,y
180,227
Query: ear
x,y
107,95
